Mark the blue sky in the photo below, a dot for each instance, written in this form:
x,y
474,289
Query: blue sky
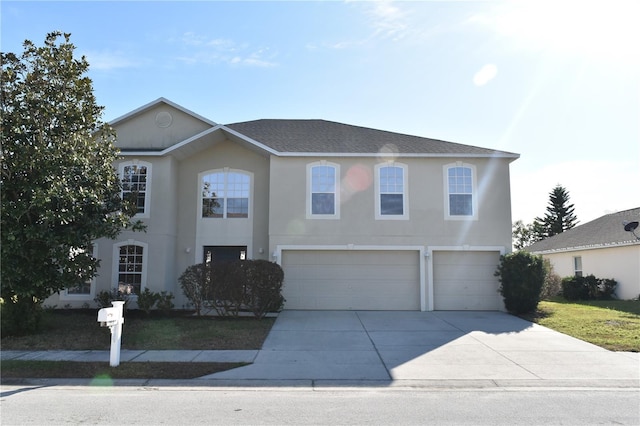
x,y
556,81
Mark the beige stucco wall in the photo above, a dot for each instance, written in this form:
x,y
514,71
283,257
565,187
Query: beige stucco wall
x,y
141,131
176,232
194,232
619,263
426,225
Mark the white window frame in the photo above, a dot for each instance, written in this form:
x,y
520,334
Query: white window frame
x,y
577,266
405,192
65,295
147,192
116,263
336,198
225,171
474,192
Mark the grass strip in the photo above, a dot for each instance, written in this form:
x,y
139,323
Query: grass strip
x,y
102,371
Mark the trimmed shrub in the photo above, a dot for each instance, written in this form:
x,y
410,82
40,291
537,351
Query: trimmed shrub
x,y
521,277
263,289
104,298
165,303
147,300
236,286
195,283
572,289
227,287
588,288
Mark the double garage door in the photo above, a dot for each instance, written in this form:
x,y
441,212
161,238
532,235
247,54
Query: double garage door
x,y
351,279
387,280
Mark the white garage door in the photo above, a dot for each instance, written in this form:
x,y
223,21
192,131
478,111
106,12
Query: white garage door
x,y
464,280
350,279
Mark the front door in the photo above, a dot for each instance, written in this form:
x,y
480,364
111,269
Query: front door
x,y
222,253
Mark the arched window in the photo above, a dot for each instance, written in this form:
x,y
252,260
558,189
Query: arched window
x,y
130,264
225,194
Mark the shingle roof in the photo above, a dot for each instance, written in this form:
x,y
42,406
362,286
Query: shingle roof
x,y
605,231
321,136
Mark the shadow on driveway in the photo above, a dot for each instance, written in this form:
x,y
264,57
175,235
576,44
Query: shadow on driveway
x,y
352,347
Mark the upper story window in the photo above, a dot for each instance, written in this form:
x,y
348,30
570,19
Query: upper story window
x,y
130,263
225,194
136,184
323,190
460,191
391,191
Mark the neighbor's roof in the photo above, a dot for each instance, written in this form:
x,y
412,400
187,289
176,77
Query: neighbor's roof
x,y
606,231
321,136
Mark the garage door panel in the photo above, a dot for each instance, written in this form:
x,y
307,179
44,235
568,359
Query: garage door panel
x,y
464,280
326,279
341,272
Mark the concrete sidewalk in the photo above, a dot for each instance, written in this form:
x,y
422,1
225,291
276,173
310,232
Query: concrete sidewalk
x,y
133,356
391,348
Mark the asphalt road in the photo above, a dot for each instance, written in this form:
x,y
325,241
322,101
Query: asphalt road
x,y
28,405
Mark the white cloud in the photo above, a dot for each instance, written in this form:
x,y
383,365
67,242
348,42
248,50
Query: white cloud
x,y
108,60
596,188
485,75
388,20
201,49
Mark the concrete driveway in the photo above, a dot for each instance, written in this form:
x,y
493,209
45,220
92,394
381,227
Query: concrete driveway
x,y
468,348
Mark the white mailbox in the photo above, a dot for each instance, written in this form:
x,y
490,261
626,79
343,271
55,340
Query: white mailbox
x,y
108,317
113,318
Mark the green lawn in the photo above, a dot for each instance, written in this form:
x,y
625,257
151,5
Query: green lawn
x,y
611,324
79,330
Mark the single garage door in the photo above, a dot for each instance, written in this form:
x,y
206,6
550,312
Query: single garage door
x,y
351,279
463,280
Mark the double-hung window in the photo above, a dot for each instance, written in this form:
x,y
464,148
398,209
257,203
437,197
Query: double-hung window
x,y
130,262
391,191
225,194
460,192
136,182
577,266
323,192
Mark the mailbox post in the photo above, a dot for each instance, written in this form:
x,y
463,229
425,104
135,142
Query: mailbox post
x,y
113,318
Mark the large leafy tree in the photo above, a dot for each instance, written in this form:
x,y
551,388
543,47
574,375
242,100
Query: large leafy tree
x,y
523,234
60,191
559,217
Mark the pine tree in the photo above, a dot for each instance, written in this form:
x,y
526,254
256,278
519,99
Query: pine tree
x,y
560,215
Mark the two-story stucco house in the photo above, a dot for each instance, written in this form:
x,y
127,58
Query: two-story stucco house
x,y
358,218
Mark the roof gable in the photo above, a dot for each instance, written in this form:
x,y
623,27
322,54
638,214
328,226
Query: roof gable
x,y
162,127
157,126
154,104
606,231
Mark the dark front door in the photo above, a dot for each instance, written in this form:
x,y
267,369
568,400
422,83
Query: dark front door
x,y
222,253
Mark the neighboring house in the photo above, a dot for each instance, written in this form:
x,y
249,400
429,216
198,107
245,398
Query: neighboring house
x,y
601,247
358,218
